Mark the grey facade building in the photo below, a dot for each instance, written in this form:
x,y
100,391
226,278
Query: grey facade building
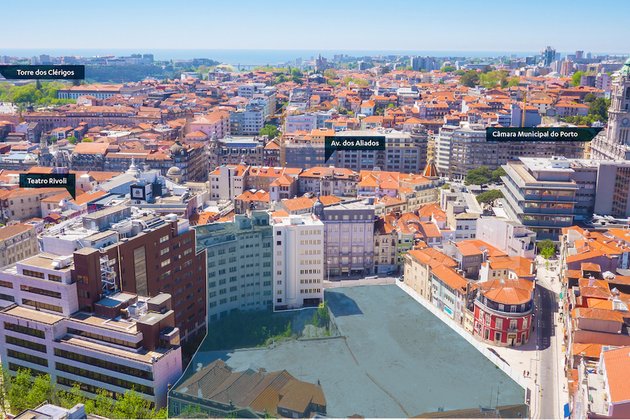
x,y
462,148
239,267
540,194
404,152
348,237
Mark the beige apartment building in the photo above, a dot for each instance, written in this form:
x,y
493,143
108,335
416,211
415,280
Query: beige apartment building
x,y
16,243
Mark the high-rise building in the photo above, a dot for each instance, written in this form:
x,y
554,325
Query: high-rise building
x,y
548,56
614,143
239,263
298,249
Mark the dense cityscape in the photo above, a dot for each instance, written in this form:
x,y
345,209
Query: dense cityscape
x,y
211,257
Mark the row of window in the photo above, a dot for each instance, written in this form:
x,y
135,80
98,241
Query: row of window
x,y
27,357
103,338
115,367
38,291
25,343
111,380
24,330
41,305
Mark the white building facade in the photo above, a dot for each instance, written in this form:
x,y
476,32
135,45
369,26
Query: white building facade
x,y
298,254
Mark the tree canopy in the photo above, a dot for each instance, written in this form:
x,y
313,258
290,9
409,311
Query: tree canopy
x,y
23,391
469,78
269,130
39,94
489,197
483,175
546,248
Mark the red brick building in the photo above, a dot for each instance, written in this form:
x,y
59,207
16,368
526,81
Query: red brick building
x,y
503,311
162,257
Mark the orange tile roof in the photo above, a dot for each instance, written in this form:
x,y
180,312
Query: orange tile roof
x,y
522,267
508,291
590,350
450,277
89,196
432,257
91,148
10,231
617,364
598,314
590,267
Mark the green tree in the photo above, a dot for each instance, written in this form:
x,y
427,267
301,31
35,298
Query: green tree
x,y
546,248
132,406
330,74
576,78
280,79
470,78
102,405
18,389
269,130
296,75
489,197
513,81
72,140
87,140
497,174
448,69
71,397
493,79
599,108
478,176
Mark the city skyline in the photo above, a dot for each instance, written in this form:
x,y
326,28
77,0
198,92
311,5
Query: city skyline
x,y
275,25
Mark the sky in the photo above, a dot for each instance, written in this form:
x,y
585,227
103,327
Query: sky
x,y
437,25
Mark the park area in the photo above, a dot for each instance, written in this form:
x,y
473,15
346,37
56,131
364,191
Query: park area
x,y
387,356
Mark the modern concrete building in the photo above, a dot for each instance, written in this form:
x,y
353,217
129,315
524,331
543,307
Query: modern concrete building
x,y
613,189
540,194
462,148
404,152
126,342
348,237
298,269
17,242
155,254
239,263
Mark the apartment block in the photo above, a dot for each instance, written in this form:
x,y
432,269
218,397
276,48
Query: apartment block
x,y
298,254
348,237
17,242
239,263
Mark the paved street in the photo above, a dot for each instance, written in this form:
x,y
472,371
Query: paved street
x,y
549,338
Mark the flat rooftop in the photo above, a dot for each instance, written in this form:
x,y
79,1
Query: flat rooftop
x,y
396,360
32,314
44,260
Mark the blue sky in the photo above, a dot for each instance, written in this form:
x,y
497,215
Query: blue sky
x,y
458,25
